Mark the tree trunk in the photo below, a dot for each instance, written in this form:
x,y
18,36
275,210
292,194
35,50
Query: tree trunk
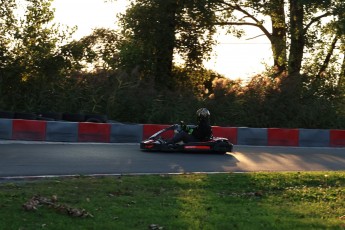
x,y
297,38
278,38
328,56
165,44
341,81
292,83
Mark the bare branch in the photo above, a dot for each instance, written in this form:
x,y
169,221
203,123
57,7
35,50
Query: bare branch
x,y
238,8
257,24
313,20
236,24
260,26
256,37
328,56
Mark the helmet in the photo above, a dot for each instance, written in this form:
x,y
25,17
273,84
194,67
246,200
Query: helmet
x,y
203,114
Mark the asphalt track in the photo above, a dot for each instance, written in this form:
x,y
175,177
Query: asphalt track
x,y
57,159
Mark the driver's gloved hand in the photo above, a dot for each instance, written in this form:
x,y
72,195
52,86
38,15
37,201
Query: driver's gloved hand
x,y
183,126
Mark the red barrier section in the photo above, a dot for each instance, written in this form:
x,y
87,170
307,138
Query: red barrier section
x,y
29,130
337,138
94,132
150,129
283,137
227,132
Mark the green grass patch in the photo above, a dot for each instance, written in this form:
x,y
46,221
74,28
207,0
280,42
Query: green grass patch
x,y
308,200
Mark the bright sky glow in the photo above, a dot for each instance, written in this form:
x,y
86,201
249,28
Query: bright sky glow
x,y
87,14
234,58
240,58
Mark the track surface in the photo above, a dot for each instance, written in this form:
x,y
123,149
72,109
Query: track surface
x,y
40,159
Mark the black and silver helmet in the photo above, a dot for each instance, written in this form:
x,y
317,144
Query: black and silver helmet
x,y
203,114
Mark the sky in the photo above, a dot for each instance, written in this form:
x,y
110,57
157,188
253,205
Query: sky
x,y
234,58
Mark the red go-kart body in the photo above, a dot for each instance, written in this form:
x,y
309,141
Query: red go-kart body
x,y
214,145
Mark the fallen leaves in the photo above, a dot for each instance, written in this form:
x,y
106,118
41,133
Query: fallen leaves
x,y
155,227
36,201
242,194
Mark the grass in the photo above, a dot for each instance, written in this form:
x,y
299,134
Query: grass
x,y
307,200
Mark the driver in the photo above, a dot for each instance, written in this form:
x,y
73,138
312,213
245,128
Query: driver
x,y
202,132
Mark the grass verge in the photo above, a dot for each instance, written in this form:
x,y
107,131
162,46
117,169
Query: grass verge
x,y
307,200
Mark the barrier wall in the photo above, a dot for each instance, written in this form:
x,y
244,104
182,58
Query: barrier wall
x,y
29,130
5,129
314,138
150,129
126,133
282,137
252,136
337,138
93,132
227,132
62,131
57,131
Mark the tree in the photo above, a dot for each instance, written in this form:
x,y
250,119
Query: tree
x,y
37,40
32,63
155,30
292,19
326,48
295,29
234,15
99,50
339,27
6,30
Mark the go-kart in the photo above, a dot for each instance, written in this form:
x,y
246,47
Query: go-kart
x,y
155,142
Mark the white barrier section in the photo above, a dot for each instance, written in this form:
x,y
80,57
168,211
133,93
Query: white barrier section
x,y
126,133
252,136
314,138
6,129
62,131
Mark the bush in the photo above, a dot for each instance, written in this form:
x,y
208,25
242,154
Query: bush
x,y
132,98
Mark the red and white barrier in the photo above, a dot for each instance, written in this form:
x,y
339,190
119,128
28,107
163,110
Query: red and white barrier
x,y
57,131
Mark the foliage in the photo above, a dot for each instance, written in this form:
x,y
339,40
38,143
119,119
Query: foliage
x,y
97,51
32,63
157,30
122,74
297,26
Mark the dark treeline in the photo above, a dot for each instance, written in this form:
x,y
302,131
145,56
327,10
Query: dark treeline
x,y
130,74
